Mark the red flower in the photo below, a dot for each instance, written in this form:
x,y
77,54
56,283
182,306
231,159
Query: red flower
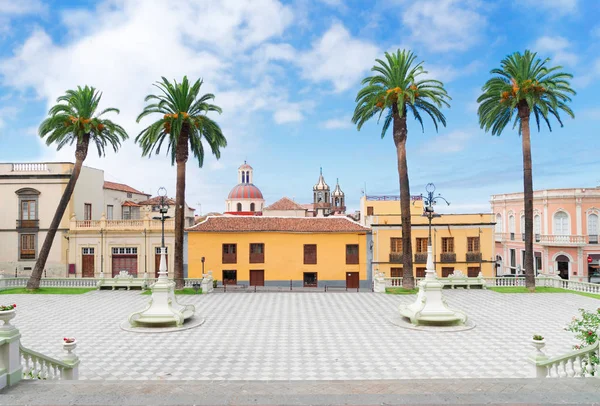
x,y
590,333
14,305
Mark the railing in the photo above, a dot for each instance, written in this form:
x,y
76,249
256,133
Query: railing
x,y
87,224
393,198
562,239
257,258
29,167
396,257
39,366
575,364
21,282
592,239
229,259
169,224
120,224
28,223
448,257
138,224
420,257
473,256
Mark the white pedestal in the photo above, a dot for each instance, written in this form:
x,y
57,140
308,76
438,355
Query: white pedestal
x,y
430,307
163,309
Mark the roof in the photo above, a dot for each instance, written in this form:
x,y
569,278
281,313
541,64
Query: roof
x,y
245,191
122,188
155,201
309,206
285,203
130,203
281,224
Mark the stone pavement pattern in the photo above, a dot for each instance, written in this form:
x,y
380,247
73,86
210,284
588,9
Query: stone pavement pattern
x,y
298,336
391,392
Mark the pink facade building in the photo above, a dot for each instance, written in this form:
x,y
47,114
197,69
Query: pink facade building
x,y
565,232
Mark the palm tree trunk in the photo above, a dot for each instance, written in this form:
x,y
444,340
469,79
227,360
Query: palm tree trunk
x,y
524,113
181,157
40,264
400,134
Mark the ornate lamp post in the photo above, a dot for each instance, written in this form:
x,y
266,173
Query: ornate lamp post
x,y
163,209
428,211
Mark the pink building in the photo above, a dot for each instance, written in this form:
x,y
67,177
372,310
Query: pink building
x,y
565,227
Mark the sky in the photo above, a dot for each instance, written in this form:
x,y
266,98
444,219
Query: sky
x,y
286,74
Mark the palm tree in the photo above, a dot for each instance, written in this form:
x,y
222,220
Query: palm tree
x,y
184,124
74,120
524,84
399,86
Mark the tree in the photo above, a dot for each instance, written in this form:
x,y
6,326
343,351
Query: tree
x,y
399,86
184,125
524,84
74,120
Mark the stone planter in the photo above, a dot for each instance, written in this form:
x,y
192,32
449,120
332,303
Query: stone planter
x,y
68,347
538,354
6,316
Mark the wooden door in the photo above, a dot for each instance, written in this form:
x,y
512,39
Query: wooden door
x,y
124,263
157,263
87,265
352,280
257,277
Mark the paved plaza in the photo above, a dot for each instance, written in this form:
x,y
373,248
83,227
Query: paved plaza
x,y
298,336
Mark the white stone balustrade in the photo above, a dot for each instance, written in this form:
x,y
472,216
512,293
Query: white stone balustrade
x,y
30,167
574,364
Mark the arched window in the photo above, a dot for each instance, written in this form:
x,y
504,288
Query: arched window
x,y
243,177
511,226
247,176
522,226
537,227
239,207
252,206
561,223
592,228
498,223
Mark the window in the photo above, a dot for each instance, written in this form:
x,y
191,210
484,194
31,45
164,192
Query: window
x,y
124,250
522,227
472,244
511,226
230,277
538,261
310,254
447,244
421,244
396,245
252,206
27,250
369,210
522,260
126,210
561,223
87,211
257,253
447,271
229,254
129,195
537,227
473,271
513,258
131,213
87,251
239,207
352,254
420,273
592,228
157,250
498,223
109,211
28,211
310,280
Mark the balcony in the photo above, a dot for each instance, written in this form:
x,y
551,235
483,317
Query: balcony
x,y
255,258
396,257
229,258
448,257
420,257
473,256
35,224
121,225
563,240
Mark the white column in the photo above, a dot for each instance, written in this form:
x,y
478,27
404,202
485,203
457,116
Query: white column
x,y
580,263
578,215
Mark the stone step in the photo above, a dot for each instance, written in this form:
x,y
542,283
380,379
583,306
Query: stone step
x,y
376,392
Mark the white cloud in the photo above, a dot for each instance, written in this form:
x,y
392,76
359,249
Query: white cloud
x,y
444,25
123,54
558,47
592,75
337,123
21,7
592,113
339,58
449,143
284,116
559,7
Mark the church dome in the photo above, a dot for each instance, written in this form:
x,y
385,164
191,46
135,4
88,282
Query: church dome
x,y
338,191
321,185
245,191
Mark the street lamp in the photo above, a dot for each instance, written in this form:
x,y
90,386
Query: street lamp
x,y
163,209
428,202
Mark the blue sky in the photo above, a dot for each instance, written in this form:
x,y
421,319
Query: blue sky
x,y
286,75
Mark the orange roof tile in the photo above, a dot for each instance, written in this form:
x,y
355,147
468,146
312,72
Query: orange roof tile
x,y
154,201
130,203
285,203
122,188
282,224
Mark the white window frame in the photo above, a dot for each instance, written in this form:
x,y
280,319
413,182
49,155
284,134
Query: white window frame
x,y
124,250
87,251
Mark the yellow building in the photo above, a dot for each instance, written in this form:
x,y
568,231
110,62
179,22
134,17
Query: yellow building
x,y
272,251
460,241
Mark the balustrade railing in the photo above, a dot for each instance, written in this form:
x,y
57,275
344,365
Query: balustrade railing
x,y
138,224
29,167
396,257
39,366
448,257
575,364
563,239
473,256
420,257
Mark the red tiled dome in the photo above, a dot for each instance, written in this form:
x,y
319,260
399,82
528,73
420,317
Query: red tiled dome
x,y
245,191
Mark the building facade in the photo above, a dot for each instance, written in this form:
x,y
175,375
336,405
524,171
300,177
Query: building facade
x,y
459,241
565,227
277,251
